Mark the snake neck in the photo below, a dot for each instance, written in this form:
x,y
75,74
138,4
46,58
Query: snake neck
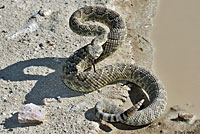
x,y
109,42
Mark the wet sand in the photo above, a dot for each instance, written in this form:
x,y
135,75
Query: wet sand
x,y
176,40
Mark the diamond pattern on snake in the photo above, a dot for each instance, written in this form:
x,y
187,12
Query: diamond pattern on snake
x,y
78,75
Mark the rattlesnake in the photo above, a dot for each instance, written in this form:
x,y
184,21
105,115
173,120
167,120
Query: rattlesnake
x,y
77,73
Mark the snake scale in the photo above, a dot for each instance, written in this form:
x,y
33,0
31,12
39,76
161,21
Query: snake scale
x,y
78,76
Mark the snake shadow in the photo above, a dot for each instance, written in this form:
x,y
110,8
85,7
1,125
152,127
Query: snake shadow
x,y
90,115
49,86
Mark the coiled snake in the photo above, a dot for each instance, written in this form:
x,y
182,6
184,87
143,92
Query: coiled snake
x,y
76,73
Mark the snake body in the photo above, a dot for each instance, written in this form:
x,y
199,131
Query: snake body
x,y
78,76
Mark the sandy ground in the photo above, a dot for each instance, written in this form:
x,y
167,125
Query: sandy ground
x,y
33,48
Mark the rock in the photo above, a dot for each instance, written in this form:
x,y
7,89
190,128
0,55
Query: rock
x,y
2,6
47,101
44,12
35,16
50,43
31,113
59,99
177,108
4,98
4,31
41,45
3,113
188,117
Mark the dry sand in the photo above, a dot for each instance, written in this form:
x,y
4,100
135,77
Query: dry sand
x,y
33,48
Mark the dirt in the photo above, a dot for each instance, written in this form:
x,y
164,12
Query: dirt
x,y
35,39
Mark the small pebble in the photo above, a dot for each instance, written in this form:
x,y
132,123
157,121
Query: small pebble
x,y
3,113
185,116
4,31
177,108
2,6
147,26
190,105
41,45
10,129
44,12
35,16
46,101
59,99
155,124
4,98
50,43
31,113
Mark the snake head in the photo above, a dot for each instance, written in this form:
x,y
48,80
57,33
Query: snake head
x,y
95,51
